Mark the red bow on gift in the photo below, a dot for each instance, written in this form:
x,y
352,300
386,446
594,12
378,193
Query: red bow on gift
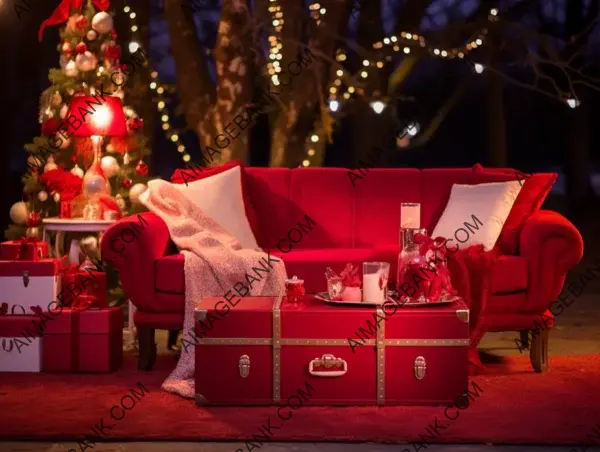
x,y
61,13
23,248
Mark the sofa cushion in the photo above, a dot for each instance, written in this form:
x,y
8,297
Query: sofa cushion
x,y
269,189
194,173
326,196
536,188
310,264
377,199
509,275
220,197
487,205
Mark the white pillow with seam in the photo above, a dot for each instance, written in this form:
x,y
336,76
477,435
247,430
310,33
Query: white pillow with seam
x,y
220,197
490,203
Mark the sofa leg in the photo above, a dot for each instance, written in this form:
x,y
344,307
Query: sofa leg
x,y
538,351
524,336
147,356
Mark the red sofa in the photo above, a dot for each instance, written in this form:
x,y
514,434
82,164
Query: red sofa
x,y
354,223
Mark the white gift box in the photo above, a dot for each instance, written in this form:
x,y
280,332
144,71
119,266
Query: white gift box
x,y
19,353
21,358
24,284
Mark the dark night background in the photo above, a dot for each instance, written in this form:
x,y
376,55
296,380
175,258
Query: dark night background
x,y
539,129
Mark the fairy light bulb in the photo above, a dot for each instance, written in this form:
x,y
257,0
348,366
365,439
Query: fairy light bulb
x,y
314,138
133,46
334,105
573,103
305,163
478,68
378,106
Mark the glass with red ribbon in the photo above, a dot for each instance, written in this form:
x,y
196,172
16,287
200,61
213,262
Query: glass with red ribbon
x,y
294,290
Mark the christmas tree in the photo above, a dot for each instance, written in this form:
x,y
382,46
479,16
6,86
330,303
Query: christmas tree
x,y
89,159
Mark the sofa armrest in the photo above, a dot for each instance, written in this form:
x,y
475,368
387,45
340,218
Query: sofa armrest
x,y
132,245
552,246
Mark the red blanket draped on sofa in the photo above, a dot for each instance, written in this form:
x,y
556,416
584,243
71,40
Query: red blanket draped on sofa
x,y
470,271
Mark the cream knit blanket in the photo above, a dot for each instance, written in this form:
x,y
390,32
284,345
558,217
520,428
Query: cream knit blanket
x,y
214,262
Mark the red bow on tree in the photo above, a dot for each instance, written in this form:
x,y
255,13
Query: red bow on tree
x,y
61,13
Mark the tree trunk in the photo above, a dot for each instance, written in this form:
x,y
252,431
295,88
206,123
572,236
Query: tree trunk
x,y
196,90
308,87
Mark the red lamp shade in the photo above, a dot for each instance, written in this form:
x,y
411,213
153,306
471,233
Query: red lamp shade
x,y
94,115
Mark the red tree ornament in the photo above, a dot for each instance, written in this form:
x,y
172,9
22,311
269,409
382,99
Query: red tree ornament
x,y
33,219
141,168
126,183
135,123
49,127
112,52
80,48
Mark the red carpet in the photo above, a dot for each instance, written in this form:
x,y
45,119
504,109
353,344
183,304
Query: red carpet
x,y
516,406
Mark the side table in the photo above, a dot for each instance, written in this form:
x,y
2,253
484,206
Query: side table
x,y
62,225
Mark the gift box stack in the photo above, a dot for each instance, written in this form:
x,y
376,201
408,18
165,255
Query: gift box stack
x,y
54,317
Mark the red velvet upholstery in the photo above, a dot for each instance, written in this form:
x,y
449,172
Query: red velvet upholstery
x,y
353,224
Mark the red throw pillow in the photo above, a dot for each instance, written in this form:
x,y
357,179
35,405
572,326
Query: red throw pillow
x,y
182,176
531,197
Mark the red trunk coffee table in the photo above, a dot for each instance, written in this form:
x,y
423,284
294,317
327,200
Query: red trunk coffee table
x,y
264,351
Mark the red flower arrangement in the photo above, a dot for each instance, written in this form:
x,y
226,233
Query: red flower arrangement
x,y
350,276
67,185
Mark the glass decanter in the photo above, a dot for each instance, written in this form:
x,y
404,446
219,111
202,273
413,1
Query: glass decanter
x,y
409,254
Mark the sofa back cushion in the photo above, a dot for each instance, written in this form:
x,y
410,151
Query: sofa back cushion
x,y
377,198
325,195
269,189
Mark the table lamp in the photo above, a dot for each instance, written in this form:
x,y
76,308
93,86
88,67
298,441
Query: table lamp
x,y
100,116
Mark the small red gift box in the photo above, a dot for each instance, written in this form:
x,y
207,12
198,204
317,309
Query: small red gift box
x,y
26,249
84,341
66,209
83,289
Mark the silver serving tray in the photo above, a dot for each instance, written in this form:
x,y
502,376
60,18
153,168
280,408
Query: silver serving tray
x,y
324,296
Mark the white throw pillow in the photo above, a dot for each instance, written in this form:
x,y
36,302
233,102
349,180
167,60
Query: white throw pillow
x,y
471,205
220,197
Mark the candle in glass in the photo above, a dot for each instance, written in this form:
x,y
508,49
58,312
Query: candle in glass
x,y
410,215
375,279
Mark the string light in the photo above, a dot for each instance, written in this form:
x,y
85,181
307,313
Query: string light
x,y
159,90
573,103
410,40
378,106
